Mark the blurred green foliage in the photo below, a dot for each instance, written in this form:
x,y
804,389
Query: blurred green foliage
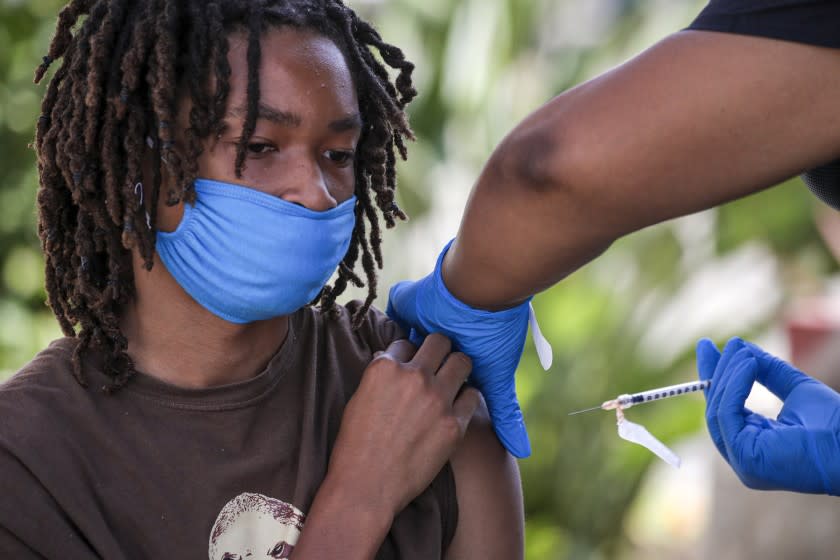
x,y
482,65
26,324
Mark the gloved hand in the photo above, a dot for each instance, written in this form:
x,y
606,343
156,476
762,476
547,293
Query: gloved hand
x,y
798,451
494,340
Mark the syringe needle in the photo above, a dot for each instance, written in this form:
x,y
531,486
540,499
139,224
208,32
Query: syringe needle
x,y
585,410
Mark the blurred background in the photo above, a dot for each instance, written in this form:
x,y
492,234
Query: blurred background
x,y
764,268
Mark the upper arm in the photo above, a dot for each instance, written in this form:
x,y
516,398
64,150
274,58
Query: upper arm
x,y
490,509
698,119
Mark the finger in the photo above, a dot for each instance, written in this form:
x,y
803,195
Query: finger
x,y
507,417
400,350
723,374
732,354
513,434
731,413
432,353
465,406
416,337
402,304
452,374
708,357
746,451
776,374
729,352
713,427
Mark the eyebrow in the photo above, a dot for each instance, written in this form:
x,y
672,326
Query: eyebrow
x,y
287,118
350,122
283,118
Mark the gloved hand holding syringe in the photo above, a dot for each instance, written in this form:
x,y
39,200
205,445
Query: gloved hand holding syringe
x,y
636,432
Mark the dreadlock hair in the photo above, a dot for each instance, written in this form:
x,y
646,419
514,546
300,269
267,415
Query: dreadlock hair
x,y
114,94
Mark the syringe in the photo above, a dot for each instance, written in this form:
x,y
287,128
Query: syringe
x,y
626,401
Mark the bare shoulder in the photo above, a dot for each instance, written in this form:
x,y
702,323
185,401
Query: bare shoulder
x,y
490,509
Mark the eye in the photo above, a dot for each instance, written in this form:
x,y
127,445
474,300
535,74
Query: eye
x,y
342,158
260,148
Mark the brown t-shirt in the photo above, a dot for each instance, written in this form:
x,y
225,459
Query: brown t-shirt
x,y
155,471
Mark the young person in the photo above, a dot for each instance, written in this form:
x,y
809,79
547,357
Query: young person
x,y
742,100
204,167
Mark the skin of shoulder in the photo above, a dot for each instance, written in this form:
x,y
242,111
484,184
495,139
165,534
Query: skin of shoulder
x,y
491,524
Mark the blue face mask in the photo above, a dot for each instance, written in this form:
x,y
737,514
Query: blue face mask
x,y
247,256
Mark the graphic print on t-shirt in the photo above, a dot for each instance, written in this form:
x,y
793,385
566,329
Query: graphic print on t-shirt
x,y
254,526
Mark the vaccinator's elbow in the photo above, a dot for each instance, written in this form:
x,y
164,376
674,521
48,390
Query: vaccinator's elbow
x,y
531,159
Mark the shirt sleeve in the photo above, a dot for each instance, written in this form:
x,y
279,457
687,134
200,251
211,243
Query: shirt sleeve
x,y
443,487
813,22
377,329
13,547
32,524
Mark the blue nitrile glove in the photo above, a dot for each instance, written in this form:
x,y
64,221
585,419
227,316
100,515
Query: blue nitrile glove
x,y
493,340
798,451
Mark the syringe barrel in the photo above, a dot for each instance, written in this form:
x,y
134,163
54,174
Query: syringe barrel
x,y
670,391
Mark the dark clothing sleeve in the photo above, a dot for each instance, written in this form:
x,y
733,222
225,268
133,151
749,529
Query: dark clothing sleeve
x,y
812,22
11,547
31,522
815,22
376,331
